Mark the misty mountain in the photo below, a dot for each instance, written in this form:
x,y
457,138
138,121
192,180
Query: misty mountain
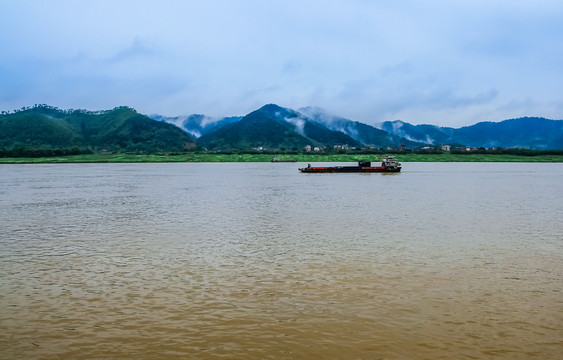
x,y
196,124
364,134
271,127
274,127
428,134
315,127
526,132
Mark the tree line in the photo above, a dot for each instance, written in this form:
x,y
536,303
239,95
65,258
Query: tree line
x,y
19,152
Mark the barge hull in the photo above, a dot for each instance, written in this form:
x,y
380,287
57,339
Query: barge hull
x,y
388,165
345,169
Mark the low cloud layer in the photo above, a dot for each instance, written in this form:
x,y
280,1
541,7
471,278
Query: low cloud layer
x,y
442,62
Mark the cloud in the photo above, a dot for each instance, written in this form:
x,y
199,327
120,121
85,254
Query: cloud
x,y
291,67
422,61
137,50
298,123
518,105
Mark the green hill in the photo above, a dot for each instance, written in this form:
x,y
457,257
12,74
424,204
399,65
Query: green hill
x,y
274,127
45,130
526,132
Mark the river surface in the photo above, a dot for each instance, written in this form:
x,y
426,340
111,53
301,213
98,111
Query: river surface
x,y
259,261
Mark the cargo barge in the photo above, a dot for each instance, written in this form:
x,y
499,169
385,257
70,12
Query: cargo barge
x,y
388,165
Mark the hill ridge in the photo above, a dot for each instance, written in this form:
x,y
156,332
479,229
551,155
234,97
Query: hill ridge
x,y
47,128
272,127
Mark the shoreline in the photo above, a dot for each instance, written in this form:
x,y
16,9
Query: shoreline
x,y
189,158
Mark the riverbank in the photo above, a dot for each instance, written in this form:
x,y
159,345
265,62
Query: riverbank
x,y
206,157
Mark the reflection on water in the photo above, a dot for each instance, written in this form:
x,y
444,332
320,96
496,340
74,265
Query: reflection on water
x,y
258,261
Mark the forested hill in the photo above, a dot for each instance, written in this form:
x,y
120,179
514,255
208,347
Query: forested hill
x,y
274,127
45,128
526,132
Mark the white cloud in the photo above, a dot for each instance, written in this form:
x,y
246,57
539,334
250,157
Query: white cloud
x,y
298,123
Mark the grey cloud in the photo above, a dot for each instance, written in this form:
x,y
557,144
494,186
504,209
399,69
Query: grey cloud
x,y
137,49
359,59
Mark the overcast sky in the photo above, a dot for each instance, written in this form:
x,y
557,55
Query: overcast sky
x,y
444,62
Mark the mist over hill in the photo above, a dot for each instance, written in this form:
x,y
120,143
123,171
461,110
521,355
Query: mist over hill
x,y
365,134
196,124
274,127
526,132
45,130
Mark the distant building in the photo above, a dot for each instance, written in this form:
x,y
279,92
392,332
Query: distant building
x,y
447,148
340,147
308,148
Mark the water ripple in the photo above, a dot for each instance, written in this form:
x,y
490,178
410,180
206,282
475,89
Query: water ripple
x,y
257,261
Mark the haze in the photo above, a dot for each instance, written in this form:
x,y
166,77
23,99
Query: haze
x,y
449,63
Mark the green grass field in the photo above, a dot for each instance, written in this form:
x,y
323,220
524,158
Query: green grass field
x,y
310,158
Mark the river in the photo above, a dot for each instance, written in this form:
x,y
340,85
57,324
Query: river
x,y
259,261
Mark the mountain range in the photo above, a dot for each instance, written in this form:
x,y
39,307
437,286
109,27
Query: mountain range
x,y
270,127
275,127
526,132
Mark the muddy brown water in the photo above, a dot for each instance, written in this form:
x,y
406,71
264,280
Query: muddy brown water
x,y
259,261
